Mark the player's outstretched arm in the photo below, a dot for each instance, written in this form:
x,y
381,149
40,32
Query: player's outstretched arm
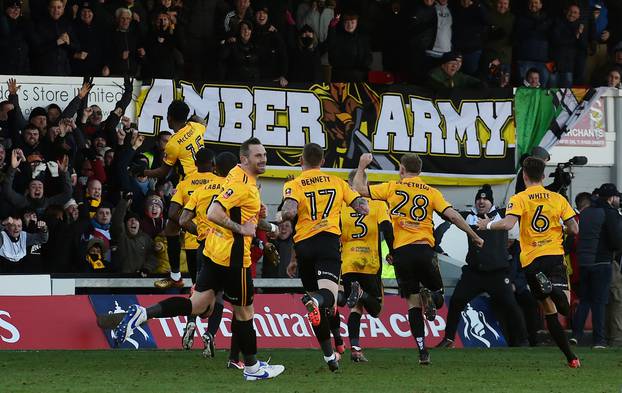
x,y
456,219
158,173
359,184
360,206
505,224
217,214
289,210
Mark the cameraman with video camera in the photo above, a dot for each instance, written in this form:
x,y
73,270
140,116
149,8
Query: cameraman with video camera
x,y
562,177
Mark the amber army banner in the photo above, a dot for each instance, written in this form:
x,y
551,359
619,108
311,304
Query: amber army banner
x,y
465,137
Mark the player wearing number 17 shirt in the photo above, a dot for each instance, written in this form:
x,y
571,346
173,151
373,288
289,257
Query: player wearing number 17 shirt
x,y
541,213
411,205
315,200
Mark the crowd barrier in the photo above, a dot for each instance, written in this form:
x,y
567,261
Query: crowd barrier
x,y
69,323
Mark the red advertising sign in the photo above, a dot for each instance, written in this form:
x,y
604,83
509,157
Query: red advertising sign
x,y
281,322
69,322
49,322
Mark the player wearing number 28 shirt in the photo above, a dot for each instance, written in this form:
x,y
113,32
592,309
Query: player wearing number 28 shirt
x,y
315,199
411,206
541,213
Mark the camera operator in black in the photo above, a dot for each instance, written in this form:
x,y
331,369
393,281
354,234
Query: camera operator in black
x,y
487,270
562,177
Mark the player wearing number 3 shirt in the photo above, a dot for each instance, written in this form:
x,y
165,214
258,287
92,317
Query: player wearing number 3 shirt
x,y
411,206
315,200
541,213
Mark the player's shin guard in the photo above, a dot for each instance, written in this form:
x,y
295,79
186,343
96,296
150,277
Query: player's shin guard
x,y
247,340
213,323
559,336
415,318
341,299
173,248
325,298
335,322
371,304
354,326
234,349
561,301
322,333
170,307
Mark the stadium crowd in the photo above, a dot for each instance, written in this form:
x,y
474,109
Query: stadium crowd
x,y
80,192
458,43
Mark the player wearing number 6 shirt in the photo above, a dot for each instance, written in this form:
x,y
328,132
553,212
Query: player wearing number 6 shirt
x,y
411,206
315,199
180,150
541,213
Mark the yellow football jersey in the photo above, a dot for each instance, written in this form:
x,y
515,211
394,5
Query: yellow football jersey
x,y
183,145
182,195
360,238
200,201
411,206
541,213
240,198
320,197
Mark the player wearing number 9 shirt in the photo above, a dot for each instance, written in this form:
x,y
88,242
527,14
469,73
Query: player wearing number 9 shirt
x,y
315,199
541,213
411,205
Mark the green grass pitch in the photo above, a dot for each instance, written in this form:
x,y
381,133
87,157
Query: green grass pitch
x,y
389,370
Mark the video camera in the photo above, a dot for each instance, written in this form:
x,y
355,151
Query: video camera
x,y
563,175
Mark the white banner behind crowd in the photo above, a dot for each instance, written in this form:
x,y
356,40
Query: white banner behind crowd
x,y
42,91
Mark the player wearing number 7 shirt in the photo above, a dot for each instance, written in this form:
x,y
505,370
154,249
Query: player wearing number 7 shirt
x,y
315,200
541,213
411,206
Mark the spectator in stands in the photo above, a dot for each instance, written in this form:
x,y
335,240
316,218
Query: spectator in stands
x,y
600,228
15,243
395,22
500,35
90,32
164,58
54,42
492,71
614,79
242,12
304,58
126,51
349,52
568,42
442,41
531,41
448,75
470,24
283,243
201,27
71,210
317,14
95,260
598,18
239,60
420,29
273,59
97,227
39,118
15,37
132,249
56,253
532,78
139,15
35,197
600,74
